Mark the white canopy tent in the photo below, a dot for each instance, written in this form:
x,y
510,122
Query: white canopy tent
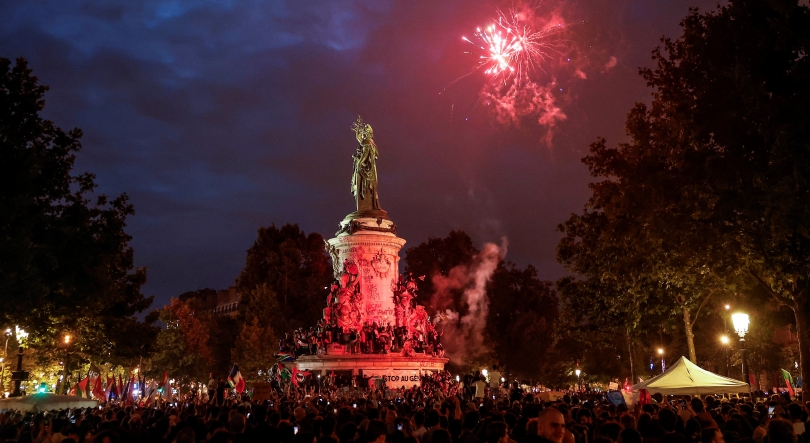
x,y
685,377
46,402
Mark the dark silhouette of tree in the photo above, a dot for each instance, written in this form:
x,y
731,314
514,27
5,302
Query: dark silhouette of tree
x,y
711,193
295,267
437,256
65,263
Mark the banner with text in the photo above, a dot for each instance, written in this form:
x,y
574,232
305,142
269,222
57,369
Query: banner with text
x,y
394,378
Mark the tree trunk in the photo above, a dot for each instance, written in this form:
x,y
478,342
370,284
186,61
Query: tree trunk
x,y
690,337
801,310
632,365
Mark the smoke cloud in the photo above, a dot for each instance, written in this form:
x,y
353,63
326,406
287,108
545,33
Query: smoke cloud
x,y
463,337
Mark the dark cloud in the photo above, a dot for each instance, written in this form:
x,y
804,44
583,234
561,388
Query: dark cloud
x,y
220,117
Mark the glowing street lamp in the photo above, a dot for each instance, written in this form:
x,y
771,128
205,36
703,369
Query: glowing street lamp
x,y
663,362
726,342
741,321
22,341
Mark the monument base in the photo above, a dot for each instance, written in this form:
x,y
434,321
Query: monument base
x,y
396,369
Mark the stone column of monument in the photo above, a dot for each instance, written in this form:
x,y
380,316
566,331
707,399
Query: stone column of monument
x,y
367,237
371,244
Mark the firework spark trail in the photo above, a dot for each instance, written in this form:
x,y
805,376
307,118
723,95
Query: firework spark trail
x,y
510,49
511,52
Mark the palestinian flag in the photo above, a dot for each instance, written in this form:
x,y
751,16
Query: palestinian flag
x,y
788,382
235,379
81,388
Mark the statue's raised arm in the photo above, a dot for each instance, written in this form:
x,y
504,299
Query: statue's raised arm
x,y
364,179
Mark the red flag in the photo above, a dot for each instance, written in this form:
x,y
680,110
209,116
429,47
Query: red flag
x,y
111,389
752,380
98,390
121,387
294,377
165,377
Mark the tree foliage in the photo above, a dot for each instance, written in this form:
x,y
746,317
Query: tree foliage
x,y
295,267
256,344
711,193
182,347
438,256
65,263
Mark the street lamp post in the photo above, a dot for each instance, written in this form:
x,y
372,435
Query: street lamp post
x,y
741,321
578,372
18,376
67,362
663,362
3,361
726,343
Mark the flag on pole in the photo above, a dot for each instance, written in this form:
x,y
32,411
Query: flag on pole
x,y
167,387
131,396
295,375
112,390
150,391
81,387
121,388
125,393
235,379
788,382
98,389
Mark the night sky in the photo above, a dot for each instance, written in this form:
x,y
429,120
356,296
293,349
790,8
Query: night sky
x,y
217,118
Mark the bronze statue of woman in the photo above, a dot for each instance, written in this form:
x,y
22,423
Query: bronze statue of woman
x,y
364,180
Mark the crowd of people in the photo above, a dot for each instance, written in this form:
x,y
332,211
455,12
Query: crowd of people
x,y
301,415
371,338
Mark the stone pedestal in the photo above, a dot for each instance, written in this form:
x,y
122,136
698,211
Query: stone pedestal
x,y
372,244
397,370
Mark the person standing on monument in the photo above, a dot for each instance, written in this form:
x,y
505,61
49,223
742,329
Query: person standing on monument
x,y
494,379
480,387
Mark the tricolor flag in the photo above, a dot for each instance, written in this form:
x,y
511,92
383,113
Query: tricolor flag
x,y
167,387
235,379
788,382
